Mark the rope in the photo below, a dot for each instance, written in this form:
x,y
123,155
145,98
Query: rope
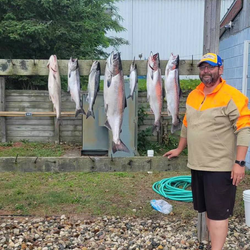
x,y
174,188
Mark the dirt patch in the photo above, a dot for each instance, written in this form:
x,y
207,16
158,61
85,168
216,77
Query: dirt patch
x,y
72,151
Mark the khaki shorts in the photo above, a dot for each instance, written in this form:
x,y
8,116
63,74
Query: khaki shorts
x,y
214,193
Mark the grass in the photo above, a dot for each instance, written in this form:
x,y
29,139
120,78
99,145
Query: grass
x,y
28,149
186,84
95,194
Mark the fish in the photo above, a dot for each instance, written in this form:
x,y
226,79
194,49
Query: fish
x,y
154,88
107,81
74,85
93,87
133,79
173,91
115,100
54,84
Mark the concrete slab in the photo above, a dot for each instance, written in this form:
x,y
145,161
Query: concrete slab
x,y
92,164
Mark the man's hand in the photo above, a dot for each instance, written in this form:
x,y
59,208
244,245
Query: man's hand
x,y
237,174
172,153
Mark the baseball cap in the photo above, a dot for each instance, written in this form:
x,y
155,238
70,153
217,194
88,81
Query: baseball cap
x,y
210,58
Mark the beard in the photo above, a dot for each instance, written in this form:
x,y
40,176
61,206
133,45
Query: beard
x,y
209,79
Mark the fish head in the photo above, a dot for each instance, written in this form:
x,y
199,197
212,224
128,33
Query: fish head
x,y
52,63
95,66
154,61
73,64
173,62
116,63
109,60
133,66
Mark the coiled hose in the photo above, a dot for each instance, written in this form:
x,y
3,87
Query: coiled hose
x,y
174,188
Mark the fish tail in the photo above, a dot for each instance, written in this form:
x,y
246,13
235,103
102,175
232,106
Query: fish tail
x,y
107,125
177,126
90,113
80,111
59,121
130,96
156,126
119,147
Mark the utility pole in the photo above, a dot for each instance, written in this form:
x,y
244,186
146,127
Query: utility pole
x,y
211,31
211,35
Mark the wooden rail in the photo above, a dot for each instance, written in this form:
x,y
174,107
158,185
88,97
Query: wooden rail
x,y
34,114
25,67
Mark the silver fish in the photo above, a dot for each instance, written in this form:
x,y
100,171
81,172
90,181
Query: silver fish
x,y
74,84
133,79
173,91
54,84
93,87
107,81
154,88
115,101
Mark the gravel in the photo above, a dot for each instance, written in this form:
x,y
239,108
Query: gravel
x,y
110,233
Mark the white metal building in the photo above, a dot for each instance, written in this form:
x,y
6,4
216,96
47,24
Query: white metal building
x,y
163,26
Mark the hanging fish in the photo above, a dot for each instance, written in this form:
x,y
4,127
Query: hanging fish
x,y
54,84
93,87
133,79
74,84
173,91
115,101
154,88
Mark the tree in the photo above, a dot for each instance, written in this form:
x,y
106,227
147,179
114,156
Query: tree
x,y
36,29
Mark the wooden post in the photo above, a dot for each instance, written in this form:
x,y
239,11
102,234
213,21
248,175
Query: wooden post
x,y
56,131
211,35
2,108
211,31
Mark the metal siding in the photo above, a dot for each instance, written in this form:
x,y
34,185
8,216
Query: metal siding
x,y
162,26
231,49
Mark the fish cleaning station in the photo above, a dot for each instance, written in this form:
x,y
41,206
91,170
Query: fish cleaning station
x,y
96,139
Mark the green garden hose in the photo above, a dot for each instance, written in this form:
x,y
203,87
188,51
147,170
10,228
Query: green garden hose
x,y
174,188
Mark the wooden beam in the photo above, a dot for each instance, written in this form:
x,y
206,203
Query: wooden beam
x,y
39,67
53,114
2,108
211,26
34,114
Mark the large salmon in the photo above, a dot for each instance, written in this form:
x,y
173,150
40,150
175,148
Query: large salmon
x,y
114,99
54,84
93,87
173,91
154,88
74,84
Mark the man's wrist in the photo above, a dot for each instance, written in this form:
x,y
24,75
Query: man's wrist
x,y
240,163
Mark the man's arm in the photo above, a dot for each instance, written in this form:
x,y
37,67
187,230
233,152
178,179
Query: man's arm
x,y
238,172
178,150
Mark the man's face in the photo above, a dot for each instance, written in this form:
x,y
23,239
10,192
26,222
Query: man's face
x,y
210,75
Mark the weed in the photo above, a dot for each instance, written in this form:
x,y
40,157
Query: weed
x,y
24,141
121,174
20,207
6,144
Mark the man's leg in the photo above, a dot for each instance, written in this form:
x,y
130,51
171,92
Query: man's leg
x,y
218,232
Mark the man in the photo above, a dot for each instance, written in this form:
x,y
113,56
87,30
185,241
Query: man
x,y
216,129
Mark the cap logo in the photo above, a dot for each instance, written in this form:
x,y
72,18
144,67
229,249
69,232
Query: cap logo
x,y
208,56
